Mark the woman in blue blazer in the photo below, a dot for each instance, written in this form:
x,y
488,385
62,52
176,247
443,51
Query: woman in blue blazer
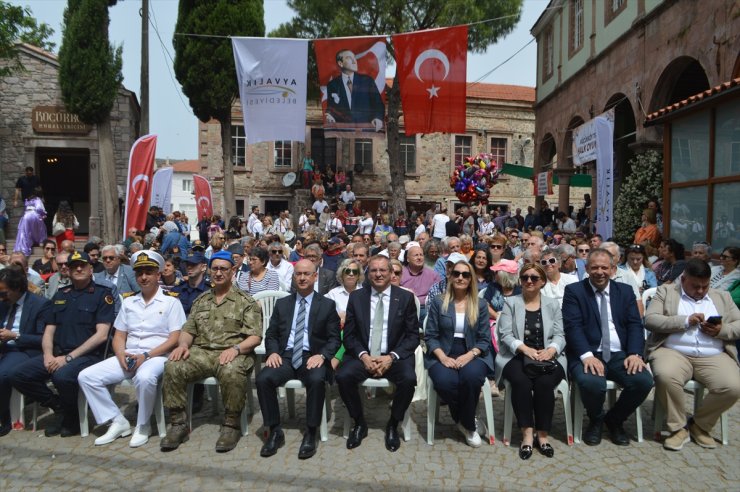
x,y
458,340
531,328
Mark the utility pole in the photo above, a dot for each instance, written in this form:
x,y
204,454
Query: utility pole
x,y
144,89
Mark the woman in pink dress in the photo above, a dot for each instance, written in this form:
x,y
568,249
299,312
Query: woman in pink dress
x,y
31,227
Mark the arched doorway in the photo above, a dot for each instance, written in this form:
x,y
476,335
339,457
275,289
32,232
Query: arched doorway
x,y
624,135
736,70
682,78
548,152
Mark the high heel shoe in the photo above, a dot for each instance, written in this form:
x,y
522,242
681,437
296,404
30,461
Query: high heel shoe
x,y
545,449
525,451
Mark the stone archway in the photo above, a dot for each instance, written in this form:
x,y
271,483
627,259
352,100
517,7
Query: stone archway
x,y
682,78
624,135
548,152
736,70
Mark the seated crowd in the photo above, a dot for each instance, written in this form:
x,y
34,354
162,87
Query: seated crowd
x,y
496,305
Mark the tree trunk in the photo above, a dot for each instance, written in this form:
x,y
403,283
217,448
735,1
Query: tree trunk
x,y
396,167
229,206
111,218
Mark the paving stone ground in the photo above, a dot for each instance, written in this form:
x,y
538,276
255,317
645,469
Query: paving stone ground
x,y
30,461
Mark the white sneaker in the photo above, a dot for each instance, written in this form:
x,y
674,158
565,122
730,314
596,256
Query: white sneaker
x,y
116,430
471,437
141,436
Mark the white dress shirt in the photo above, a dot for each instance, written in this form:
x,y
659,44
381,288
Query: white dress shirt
x,y
374,297
309,300
16,328
284,270
340,296
148,325
694,342
614,343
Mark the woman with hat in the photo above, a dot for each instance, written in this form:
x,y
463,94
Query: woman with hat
x,y
146,329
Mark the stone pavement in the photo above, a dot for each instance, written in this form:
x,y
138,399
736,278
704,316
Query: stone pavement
x,y
31,461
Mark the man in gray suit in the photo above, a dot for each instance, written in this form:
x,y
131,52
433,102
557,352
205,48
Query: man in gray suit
x,y
326,279
122,276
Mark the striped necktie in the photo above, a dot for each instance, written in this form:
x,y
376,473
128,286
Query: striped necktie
x,y
300,328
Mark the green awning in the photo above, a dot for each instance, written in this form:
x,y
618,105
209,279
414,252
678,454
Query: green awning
x,y
577,180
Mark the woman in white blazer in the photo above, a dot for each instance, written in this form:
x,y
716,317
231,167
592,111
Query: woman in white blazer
x,y
530,336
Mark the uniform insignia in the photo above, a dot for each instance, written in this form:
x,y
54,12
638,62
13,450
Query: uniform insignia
x,y
109,299
60,301
124,295
170,293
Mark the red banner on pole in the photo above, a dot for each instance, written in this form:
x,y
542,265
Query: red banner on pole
x,y
138,184
432,76
203,202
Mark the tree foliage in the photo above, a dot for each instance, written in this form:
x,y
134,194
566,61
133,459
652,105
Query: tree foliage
x,y
205,65
17,24
644,183
376,17
89,67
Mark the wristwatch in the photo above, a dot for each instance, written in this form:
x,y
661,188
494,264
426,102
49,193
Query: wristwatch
x,y
146,356
68,358
238,350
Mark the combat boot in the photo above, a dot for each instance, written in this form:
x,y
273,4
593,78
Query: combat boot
x,y
230,433
179,431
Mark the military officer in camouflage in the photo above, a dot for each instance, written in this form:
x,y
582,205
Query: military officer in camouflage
x,y
217,340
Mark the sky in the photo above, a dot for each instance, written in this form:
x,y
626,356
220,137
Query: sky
x,y
171,118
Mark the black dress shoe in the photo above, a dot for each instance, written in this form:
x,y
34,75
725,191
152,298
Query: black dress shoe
x,y
617,433
392,441
356,435
308,446
55,426
5,429
69,430
275,441
546,449
525,451
592,436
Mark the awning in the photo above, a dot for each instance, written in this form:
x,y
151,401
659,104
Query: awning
x,y
576,180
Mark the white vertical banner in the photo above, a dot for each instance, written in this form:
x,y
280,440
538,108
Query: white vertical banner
x,y
604,131
585,144
162,189
272,76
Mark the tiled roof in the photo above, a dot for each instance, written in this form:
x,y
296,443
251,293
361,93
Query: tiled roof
x,y
191,166
652,117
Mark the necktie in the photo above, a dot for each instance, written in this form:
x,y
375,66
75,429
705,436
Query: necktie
x,y
349,85
300,328
377,328
11,317
605,345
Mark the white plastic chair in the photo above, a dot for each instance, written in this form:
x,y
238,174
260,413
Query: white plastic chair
x,y
82,407
380,383
564,390
266,300
213,383
698,390
611,389
290,387
433,411
17,410
647,295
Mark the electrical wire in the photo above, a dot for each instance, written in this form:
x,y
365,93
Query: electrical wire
x,y
170,66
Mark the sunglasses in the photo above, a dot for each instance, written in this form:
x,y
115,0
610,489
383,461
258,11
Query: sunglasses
x,y
583,250
276,252
550,261
531,278
397,273
62,263
496,246
351,271
457,273
109,258
50,249
637,247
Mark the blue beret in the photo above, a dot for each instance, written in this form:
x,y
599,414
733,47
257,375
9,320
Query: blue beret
x,y
221,255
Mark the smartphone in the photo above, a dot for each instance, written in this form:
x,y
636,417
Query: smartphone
x,y
130,362
714,320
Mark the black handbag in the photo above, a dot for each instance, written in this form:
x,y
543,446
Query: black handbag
x,y
534,368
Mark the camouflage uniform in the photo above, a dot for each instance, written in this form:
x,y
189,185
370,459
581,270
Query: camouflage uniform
x,y
215,328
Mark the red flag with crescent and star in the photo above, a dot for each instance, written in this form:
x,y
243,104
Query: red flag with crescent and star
x,y
203,199
138,191
432,77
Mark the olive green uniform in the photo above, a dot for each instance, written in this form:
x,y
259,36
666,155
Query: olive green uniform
x,y
215,328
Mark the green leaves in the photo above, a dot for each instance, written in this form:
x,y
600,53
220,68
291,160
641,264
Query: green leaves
x,y
643,184
18,25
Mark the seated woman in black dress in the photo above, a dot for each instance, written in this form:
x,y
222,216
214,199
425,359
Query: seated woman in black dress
x,y
530,333
458,340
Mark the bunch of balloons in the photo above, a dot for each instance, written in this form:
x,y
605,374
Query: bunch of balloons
x,y
473,178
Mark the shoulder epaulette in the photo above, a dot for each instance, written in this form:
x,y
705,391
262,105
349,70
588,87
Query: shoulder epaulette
x,y
128,294
170,293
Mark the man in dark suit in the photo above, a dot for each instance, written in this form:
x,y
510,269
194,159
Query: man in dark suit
x,y
325,279
605,340
380,335
353,97
311,320
24,316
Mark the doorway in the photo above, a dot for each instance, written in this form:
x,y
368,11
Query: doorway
x,y
65,175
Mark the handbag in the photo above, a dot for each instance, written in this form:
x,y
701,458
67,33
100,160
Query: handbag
x,y
534,368
58,229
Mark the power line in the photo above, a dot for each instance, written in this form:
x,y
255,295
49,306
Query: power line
x,y
170,71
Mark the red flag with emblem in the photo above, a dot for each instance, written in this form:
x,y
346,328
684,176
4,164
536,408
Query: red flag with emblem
x,y
138,191
432,77
203,202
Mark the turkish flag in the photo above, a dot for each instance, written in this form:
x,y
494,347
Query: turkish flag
x,y
138,189
432,76
203,199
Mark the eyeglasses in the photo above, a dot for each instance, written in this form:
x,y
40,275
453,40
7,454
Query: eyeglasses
x,y
351,271
497,246
220,269
397,273
531,278
276,252
725,257
583,250
109,258
549,261
457,273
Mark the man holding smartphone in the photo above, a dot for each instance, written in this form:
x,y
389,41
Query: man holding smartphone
x,y
693,332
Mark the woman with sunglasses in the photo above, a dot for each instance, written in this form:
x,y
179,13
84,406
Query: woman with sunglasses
x,y
46,265
259,277
728,274
459,352
350,278
556,281
497,244
530,333
638,266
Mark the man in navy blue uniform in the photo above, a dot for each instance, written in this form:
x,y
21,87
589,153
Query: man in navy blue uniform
x,y
195,263
74,338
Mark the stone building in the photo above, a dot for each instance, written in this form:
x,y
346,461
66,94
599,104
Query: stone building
x,y
37,131
500,120
636,56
